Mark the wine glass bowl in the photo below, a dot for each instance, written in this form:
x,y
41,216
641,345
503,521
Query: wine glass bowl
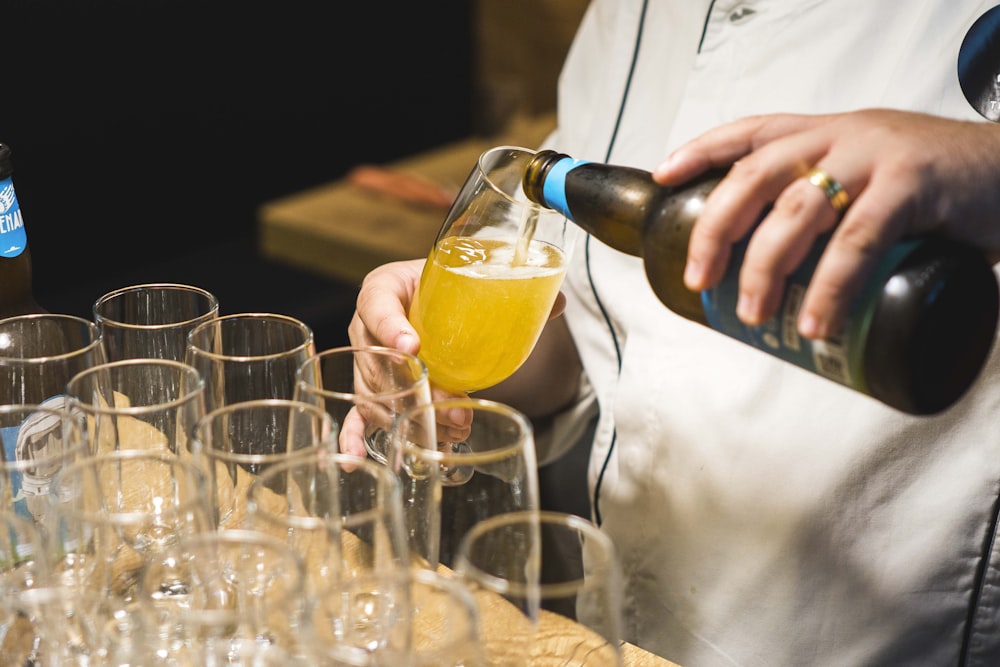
x,y
246,356
446,490
234,444
491,278
138,404
557,571
344,514
39,353
373,383
152,320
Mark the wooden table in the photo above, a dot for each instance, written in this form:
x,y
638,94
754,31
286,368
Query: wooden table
x,y
343,231
553,633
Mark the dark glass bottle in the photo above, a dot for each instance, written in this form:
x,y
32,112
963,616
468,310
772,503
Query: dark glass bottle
x,y
16,295
916,337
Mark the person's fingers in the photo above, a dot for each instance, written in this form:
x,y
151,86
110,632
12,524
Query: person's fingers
x,y
558,306
352,434
756,185
454,424
874,221
723,145
804,211
903,174
380,317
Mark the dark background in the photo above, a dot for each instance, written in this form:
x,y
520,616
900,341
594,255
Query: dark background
x,y
146,134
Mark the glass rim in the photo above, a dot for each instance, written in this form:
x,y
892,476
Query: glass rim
x,y
190,391
309,337
484,173
535,518
414,413
329,427
211,302
238,537
196,498
93,332
377,350
233,537
386,482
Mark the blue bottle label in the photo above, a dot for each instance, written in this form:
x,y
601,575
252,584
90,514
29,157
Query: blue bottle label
x,y
839,358
38,436
13,238
554,187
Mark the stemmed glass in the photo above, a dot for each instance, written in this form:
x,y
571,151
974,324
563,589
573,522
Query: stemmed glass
x,y
491,278
39,354
138,404
572,616
44,621
344,514
152,320
246,356
24,567
497,464
224,594
236,443
374,384
114,509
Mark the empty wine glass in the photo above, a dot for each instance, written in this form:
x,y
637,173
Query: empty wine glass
x,y
80,626
43,622
237,591
373,384
496,463
39,353
236,443
343,513
246,356
571,617
149,404
114,509
152,320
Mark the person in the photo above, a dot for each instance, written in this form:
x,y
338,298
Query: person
x,y
764,515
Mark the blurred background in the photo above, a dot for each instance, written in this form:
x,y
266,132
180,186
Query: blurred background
x,y
146,135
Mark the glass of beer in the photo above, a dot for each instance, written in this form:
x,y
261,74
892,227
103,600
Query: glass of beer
x,y
491,278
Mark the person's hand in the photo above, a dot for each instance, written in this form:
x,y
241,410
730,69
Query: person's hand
x,y
904,174
380,319
383,301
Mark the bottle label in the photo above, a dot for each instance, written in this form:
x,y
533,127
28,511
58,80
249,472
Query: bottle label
x,y
37,437
13,239
554,187
838,358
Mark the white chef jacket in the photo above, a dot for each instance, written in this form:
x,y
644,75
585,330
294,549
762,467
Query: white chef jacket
x,y
764,515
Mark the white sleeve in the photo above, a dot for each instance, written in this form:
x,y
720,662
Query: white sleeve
x,y
556,435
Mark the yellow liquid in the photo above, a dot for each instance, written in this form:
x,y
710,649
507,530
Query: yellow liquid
x,y
479,316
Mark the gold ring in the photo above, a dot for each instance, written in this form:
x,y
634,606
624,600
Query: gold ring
x,y
833,190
